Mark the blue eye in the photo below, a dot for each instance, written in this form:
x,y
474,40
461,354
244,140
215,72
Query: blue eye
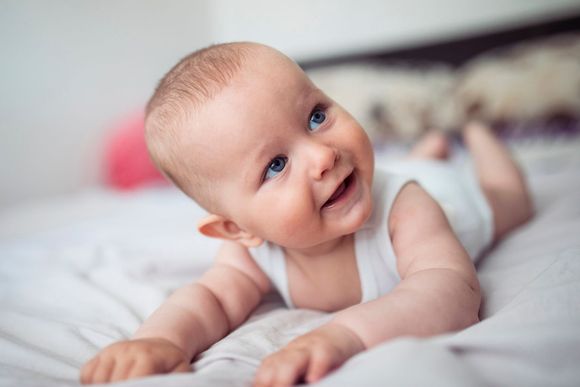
x,y
275,167
316,119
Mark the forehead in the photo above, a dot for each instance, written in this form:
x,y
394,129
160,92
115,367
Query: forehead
x,y
268,95
268,76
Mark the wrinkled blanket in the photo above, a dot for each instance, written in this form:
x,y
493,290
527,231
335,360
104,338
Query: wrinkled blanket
x,y
80,272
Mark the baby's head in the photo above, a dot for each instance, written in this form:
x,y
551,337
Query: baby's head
x,y
242,130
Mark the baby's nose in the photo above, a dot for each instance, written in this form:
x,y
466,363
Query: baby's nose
x,y
322,158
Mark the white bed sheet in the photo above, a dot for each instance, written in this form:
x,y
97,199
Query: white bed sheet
x,y
80,272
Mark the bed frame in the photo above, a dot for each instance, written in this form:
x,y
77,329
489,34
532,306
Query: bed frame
x,y
457,51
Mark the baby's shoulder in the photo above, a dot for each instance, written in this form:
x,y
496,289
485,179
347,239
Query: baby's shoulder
x,y
414,211
238,257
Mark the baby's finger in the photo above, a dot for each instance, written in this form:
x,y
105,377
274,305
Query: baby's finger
x,y
182,367
264,377
122,369
266,372
104,369
321,363
143,366
289,375
291,367
88,370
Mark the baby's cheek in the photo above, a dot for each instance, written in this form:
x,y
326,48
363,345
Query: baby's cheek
x,y
362,140
296,220
363,152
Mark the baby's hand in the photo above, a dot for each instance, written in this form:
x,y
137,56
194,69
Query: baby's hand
x,y
135,358
310,356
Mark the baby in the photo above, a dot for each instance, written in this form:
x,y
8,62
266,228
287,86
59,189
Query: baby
x,y
288,179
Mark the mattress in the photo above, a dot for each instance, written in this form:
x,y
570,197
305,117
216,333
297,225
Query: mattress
x,y
82,271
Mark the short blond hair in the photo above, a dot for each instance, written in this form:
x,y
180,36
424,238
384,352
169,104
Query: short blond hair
x,y
193,81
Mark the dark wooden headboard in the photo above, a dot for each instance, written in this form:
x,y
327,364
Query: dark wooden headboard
x,y
455,52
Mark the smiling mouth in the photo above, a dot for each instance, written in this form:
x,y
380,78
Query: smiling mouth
x,y
339,193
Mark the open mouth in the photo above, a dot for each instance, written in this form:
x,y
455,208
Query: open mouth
x,y
340,192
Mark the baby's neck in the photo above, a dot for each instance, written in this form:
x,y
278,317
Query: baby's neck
x,y
326,249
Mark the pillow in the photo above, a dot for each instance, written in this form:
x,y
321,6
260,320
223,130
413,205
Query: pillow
x,y
127,164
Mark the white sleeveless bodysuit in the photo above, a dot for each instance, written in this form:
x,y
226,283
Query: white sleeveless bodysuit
x,y
454,188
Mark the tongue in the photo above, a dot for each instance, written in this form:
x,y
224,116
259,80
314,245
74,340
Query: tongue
x,y
336,193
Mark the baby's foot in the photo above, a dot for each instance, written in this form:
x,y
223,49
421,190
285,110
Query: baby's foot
x,y
477,128
433,145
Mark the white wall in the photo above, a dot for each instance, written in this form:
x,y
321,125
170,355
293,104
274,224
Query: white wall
x,y
69,68
317,28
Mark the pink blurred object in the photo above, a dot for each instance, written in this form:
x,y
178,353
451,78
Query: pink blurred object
x,y
127,162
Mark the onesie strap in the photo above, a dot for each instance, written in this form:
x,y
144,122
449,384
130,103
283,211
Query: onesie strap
x,y
375,256
270,257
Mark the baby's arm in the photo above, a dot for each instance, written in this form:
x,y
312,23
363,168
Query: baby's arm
x,y
193,318
439,292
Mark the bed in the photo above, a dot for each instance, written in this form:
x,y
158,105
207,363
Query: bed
x,y
82,271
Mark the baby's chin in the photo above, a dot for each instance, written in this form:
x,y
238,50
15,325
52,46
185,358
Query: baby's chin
x,y
362,219
313,243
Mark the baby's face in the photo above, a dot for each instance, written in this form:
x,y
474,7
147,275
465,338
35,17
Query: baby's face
x,y
290,165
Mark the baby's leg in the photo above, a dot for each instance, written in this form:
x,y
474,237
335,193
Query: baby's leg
x,y
434,145
500,178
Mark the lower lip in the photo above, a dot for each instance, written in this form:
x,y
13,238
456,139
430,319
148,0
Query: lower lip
x,y
346,194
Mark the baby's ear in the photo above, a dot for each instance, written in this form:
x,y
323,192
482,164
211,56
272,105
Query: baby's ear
x,y
216,226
